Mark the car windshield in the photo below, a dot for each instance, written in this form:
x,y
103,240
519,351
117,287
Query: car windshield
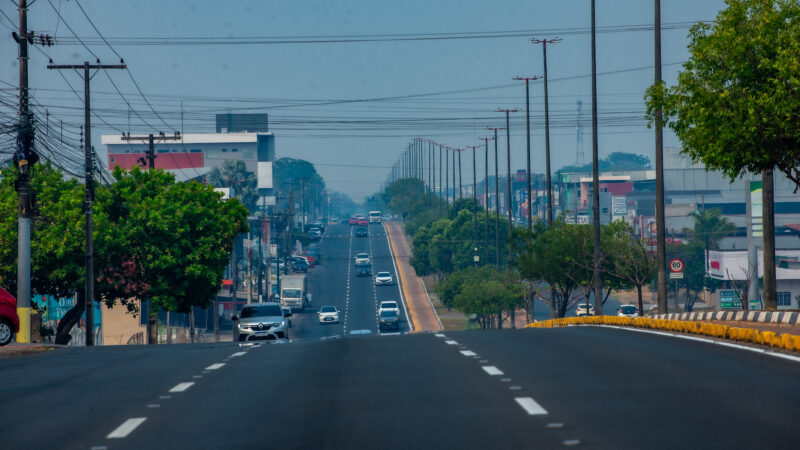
x,y
328,309
261,311
362,255
384,274
291,293
388,314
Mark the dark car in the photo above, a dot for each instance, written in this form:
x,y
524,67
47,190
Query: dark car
x,y
9,321
389,320
299,265
363,270
362,232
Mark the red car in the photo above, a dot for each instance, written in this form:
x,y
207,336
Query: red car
x,y
353,220
362,222
9,321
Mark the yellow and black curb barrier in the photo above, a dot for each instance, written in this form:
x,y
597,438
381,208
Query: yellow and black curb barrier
x,y
783,341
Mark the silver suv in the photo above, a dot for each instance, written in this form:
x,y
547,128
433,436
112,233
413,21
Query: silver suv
x,y
261,321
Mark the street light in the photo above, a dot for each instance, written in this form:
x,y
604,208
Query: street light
x,y
528,129
544,43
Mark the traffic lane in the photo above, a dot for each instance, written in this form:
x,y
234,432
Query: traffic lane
x,y
82,390
327,283
384,262
410,391
623,389
362,314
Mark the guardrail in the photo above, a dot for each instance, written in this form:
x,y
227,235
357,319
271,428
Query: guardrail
x,y
783,341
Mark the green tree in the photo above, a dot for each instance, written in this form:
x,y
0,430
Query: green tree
x,y
483,291
234,174
709,227
631,259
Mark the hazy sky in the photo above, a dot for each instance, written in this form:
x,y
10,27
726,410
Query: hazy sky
x,y
302,85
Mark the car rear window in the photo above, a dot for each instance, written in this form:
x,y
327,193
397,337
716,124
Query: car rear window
x,y
259,311
628,309
327,309
389,305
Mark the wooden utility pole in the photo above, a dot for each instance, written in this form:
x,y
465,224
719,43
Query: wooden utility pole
x,y
88,184
151,150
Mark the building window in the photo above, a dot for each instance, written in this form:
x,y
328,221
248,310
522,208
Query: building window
x,y
234,150
163,150
784,298
224,150
195,150
112,160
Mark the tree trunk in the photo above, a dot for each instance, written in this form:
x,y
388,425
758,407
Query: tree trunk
x,y
769,293
513,317
69,320
639,295
191,325
500,320
152,330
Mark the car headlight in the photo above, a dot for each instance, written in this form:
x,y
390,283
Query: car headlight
x,y
243,326
280,324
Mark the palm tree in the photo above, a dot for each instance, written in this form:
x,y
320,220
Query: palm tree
x,y
234,174
710,227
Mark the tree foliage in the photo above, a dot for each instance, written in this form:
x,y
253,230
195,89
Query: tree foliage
x,y
737,102
234,174
483,291
709,226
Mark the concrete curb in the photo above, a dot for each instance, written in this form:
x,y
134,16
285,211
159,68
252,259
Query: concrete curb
x,y
776,317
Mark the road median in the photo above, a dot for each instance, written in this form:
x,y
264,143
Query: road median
x,y
420,309
784,341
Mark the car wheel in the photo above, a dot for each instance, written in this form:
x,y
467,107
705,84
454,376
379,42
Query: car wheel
x,y
6,332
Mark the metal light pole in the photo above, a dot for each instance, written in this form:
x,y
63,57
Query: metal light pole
x,y
474,200
508,160
496,201
661,246
550,200
486,194
598,293
528,130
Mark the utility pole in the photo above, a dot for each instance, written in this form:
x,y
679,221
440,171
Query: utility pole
x,y
550,199
446,179
454,174
24,158
89,185
598,294
151,146
474,199
460,185
496,202
661,246
486,209
508,160
528,130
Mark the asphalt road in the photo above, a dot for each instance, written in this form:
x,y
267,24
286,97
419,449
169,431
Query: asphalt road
x,y
590,387
334,282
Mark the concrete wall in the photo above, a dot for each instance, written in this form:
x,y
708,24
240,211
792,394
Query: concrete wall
x,y
119,326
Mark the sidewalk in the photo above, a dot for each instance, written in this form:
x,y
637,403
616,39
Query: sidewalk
x,y
419,306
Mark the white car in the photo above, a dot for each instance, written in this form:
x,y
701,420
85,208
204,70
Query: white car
x,y
628,311
362,258
389,306
383,278
328,314
581,310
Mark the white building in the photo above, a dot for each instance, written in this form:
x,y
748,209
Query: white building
x,y
732,266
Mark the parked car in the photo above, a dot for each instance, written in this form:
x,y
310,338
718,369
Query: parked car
x,y
389,306
363,269
389,320
383,278
259,321
314,234
582,310
362,232
628,311
328,314
9,321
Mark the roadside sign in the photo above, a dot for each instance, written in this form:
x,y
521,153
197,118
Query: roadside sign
x,y
676,275
676,266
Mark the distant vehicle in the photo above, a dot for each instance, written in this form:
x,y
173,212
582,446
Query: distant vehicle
x,y
294,292
273,267
383,278
313,251
389,306
362,222
300,265
362,258
386,217
353,220
374,217
9,321
315,233
363,269
628,311
259,321
319,224
582,310
388,320
328,314
362,232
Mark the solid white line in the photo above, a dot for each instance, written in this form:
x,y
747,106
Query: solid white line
x,y
180,387
784,356
126,428
530,406
238,354
492,370
215,366
468,353
451,342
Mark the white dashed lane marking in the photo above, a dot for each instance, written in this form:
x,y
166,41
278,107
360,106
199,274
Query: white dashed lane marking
x,y
215,366
238,354
180,387
530,406
126,428
492,370
451,342
468,353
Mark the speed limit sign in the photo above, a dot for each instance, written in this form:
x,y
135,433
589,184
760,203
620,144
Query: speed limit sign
x,y
676,268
